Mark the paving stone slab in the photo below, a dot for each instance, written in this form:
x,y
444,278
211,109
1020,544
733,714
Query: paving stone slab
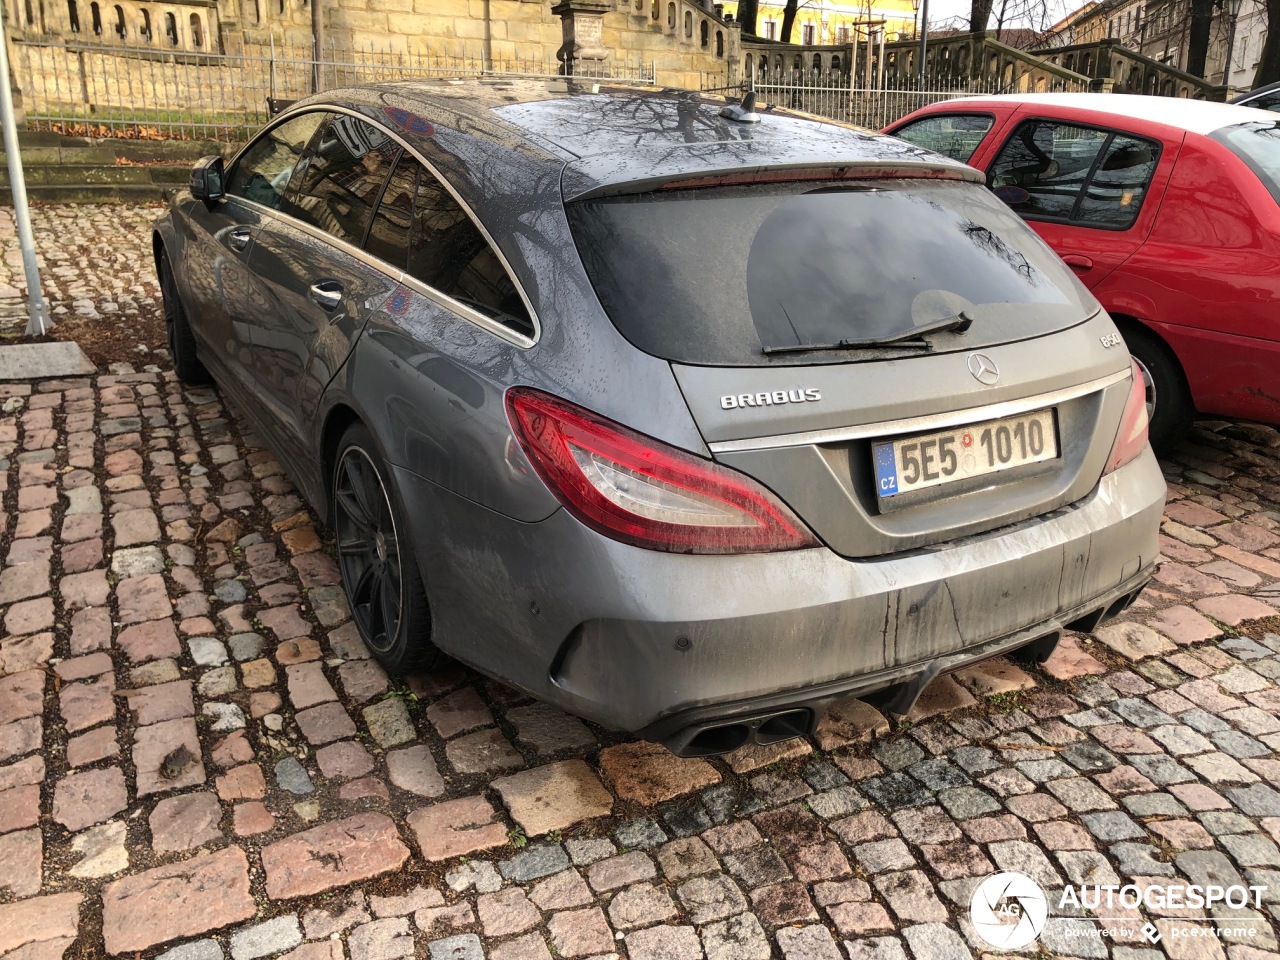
x,y
178,900
332,855
554,796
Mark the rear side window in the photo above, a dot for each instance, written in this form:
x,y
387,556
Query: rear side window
x,y
1258,145
730,274
955,135
1115,191
448,252
388,238
343,179
1061,171
263,170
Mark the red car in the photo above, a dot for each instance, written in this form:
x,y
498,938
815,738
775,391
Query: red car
x,y
1168,210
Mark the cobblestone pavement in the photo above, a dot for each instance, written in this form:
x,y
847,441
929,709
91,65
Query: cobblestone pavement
x,y
94,266
199,761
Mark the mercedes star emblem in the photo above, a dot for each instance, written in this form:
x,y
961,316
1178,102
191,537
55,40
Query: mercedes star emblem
x,y
983,368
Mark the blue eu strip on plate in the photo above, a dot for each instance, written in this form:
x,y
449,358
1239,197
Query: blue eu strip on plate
x,y
886,470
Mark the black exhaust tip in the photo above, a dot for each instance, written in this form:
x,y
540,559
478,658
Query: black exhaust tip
x,y
784,726
713,741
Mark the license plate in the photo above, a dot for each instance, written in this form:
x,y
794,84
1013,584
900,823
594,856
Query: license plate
x,y
963,452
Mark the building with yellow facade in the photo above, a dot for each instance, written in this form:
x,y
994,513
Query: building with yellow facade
x,y
836,21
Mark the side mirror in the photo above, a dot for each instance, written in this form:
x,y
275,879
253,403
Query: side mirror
x,y
206,179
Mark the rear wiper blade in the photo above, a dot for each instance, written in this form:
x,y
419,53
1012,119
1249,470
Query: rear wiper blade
x,y
907,340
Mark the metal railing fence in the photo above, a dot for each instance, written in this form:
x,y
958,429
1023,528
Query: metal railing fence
x,y
101,90
870,107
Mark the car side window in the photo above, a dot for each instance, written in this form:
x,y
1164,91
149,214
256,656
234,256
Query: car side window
x,y
1041,170
1268,101
1115,192
262,172
448,252
388,238
344,176
955,135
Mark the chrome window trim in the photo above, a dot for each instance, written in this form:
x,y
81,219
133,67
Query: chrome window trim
x,y
442,299
992,411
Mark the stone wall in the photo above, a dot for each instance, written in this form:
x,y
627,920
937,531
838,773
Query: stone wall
x,y
1115,69
182,26
958,62
681,40
688,46
494,30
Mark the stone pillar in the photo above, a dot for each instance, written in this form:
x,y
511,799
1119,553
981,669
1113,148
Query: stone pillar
x,y
583,48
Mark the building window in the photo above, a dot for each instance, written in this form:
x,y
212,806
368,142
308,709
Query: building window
x,y
771,29
120,30
197,31
842,33
31,14
73,15
95,17
171,28
144,31
808,34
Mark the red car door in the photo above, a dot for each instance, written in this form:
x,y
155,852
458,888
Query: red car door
x,y
1089,189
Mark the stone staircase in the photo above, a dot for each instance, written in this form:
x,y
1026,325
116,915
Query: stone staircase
x,y
78,170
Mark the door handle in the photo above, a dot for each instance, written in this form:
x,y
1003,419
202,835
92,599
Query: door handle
x,y
327,294
238,239
1078,263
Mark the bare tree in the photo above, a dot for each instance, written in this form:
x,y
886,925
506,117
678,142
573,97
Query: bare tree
x,y
1024,15
1269,63
789,19
1198,40
748,12
979,15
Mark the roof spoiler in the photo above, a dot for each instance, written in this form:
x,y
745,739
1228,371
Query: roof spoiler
x,y
781,173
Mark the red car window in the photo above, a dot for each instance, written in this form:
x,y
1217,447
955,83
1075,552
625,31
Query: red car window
x,y
1051,170
956,135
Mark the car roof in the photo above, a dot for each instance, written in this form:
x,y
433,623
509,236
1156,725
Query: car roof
x,y
1180,113
605,136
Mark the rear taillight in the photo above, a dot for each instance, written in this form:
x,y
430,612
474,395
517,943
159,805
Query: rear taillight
x,y
643,492
1132,438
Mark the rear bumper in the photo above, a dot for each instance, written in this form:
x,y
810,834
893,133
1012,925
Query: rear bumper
x,y
652,642
724,726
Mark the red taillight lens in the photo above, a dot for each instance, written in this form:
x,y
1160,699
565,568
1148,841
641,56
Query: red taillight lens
x,y
1132,437
643,492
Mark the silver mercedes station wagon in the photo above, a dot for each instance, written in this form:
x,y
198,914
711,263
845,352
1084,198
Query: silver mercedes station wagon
x,y
688,417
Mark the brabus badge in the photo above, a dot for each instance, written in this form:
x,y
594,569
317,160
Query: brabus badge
x,y
769,398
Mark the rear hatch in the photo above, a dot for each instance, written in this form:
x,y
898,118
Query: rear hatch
x,y
899,358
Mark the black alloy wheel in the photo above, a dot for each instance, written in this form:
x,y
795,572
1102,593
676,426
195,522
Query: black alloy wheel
x,y
379,571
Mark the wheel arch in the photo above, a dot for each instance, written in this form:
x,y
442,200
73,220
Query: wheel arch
x,y
1125,322
157,248
336,421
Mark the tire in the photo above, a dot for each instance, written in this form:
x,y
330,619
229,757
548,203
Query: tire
x,y
380,573
1169,406
182,342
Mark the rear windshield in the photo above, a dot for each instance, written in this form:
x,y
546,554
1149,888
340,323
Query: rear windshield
x,y
724,275
1258,145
